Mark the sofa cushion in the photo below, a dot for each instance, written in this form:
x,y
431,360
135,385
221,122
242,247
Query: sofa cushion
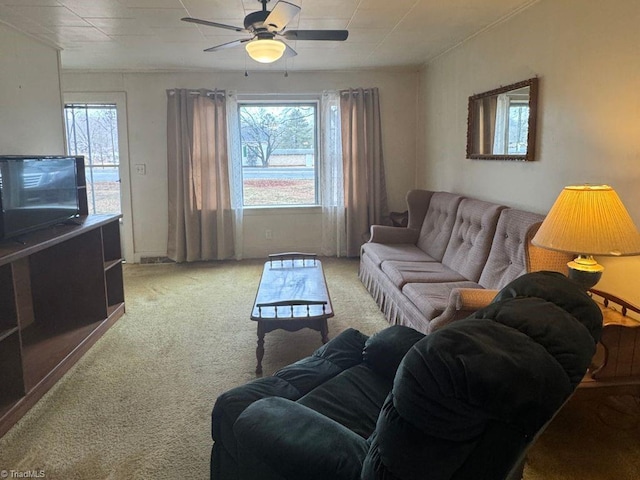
x,y
401,273
438,224
508,258
432,298
471,238
380,252
342,353
353,398
233,402
280,439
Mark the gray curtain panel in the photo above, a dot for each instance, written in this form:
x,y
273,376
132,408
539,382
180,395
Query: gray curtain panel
x,y
200,216
365,193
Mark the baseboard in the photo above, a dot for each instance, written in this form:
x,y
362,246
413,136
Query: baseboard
x,y
155,260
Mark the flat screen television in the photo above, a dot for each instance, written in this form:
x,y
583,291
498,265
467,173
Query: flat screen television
x,y
36,192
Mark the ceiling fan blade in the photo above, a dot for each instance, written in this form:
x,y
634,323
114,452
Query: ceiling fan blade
x,y
336,35
235,43
281,15
212,24
289,52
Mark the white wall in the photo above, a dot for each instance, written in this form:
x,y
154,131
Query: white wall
x,y
30,102
293,229
587,56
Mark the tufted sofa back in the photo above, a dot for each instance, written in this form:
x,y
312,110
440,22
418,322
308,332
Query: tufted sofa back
x,y
470,242
509,255
438,223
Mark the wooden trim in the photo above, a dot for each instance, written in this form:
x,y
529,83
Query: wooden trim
x,y
607,297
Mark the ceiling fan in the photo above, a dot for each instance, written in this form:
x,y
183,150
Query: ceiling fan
x,y
265,26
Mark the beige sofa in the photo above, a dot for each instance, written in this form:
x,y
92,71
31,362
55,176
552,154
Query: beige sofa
x,y
450,260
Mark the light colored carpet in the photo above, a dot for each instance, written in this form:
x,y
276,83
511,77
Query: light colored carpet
x,y
138,404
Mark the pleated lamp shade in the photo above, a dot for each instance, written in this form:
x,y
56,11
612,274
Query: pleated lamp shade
x,y
589,220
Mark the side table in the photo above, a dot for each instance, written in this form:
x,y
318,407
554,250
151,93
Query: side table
x,y
615,368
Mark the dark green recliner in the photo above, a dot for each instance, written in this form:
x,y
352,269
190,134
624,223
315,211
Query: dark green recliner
x,y
461,403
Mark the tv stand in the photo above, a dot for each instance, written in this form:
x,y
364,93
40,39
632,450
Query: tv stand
x,y
60,291
19,240
72,221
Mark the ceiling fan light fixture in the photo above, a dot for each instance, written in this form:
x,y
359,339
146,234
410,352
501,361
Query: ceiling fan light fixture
x,y
265,50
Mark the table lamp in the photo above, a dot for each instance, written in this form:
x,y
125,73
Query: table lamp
x,y
588,220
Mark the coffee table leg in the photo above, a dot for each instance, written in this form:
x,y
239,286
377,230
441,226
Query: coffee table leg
x,y
324,330
260,348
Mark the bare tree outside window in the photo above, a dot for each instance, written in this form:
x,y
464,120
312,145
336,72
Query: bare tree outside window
x,y
278,154
518,127
92,131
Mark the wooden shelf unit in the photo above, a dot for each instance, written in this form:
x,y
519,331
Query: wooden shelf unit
x,y
60,290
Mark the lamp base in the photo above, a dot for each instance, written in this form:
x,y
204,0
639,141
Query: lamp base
x,y
585,271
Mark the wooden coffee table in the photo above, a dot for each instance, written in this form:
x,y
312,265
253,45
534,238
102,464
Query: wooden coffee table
x,y
292,295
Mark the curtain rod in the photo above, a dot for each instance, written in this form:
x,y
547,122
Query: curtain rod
x,y
276,96
356,91
90,106
209,93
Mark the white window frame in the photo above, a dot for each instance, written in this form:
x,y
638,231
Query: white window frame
x,y
279,99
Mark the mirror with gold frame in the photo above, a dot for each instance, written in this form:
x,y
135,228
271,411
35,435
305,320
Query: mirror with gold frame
x,y
502,123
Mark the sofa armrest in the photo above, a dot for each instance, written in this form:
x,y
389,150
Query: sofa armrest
x,y
387,234
462,303
471,299
278,438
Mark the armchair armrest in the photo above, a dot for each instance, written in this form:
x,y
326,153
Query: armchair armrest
x,y
387,234
290,441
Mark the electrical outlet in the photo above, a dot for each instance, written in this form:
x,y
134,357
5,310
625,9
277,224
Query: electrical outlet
x,y
141,168
268,234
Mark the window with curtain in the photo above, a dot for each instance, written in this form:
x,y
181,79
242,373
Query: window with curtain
x,y
347,164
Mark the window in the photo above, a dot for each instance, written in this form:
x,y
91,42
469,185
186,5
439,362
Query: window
x,y
279,153
512,124
518,126
92,131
